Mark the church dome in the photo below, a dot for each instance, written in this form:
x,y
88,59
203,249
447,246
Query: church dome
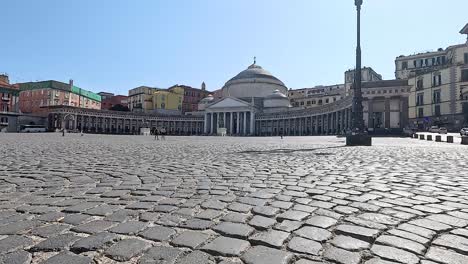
x,y
255,71
207,99
276,100
205,102
276,95
253,82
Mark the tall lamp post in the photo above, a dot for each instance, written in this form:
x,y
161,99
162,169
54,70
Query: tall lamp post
x,y
358,137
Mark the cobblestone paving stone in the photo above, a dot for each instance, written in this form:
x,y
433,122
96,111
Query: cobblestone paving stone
x,y
302,200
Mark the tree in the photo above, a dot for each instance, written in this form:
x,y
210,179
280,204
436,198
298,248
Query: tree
x,y
119,107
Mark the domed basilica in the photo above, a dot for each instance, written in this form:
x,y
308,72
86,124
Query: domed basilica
x,y
250,92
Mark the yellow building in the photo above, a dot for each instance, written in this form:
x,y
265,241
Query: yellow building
x,y
165,101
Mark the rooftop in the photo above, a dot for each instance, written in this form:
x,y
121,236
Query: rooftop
x,y
464,29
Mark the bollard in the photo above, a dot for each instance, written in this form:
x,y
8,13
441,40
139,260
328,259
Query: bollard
x,y
421,137
429,137
464,140
438,139
449,139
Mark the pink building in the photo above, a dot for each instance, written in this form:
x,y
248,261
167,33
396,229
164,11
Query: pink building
x,y
37,97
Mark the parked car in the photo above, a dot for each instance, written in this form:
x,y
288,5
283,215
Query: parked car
x,y
442,130
434,129
464,131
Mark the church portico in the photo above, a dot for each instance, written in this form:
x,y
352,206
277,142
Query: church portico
x,y
234,115
236,123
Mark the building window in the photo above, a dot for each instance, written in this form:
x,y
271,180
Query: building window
x,y
466,58
327,100
320,101
436,97
308,102
464,75
404,65
420,99
420,112
419,84
302,103
437,110
313,101
437,80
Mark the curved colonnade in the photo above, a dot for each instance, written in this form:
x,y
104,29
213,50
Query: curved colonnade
x,y
333,118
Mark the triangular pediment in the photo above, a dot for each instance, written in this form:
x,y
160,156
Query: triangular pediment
x,y
228,103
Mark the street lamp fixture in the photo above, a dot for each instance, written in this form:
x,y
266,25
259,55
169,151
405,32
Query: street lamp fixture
x,y
358,136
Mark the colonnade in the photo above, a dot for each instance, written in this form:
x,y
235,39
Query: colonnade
x,y
115,124
240,123
337,122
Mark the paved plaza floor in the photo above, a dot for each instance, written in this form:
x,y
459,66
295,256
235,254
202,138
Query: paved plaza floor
x,y
131,199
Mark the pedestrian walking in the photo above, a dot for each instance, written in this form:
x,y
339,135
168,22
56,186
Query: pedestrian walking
x,y
156,134
281,134
163,133
63,132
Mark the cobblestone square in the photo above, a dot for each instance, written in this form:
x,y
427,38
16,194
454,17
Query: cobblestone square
x,y
305,200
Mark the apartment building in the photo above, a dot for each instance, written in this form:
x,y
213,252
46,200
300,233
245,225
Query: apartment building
x,y
439,86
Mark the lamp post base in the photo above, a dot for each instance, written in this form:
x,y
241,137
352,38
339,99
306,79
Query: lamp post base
x,y
358,140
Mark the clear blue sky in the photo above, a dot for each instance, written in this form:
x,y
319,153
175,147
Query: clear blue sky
x,y
116,45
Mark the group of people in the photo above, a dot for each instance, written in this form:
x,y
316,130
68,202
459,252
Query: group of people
x,y
159,132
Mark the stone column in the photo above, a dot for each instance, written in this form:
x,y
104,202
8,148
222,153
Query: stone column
x,y
403,113
212,123
205,129
277,127
224,120
244,129
316,125
301,126
370,113
387,112
337,122
238,123
323,124
272,122
252,123
231,123
341,116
